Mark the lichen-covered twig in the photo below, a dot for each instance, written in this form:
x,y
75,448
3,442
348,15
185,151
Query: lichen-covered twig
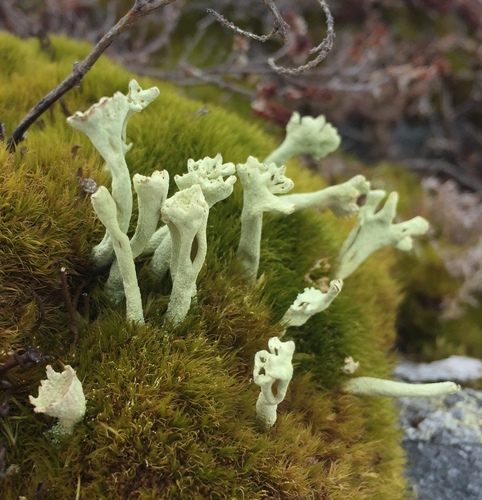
x,y
141,8
280,27
370,386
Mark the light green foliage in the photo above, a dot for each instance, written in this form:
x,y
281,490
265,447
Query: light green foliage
x,y
170,414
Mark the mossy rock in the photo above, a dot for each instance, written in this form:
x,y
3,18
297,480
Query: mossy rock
x,y
171,413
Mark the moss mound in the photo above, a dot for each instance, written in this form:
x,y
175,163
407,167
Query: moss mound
x,y
171,414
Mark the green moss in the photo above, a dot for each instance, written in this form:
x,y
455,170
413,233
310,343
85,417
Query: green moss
x,y
170,414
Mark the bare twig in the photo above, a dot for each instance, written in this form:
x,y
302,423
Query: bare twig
x,y
280,26
322,49
26,360
141,8
192,76
170,20
73,323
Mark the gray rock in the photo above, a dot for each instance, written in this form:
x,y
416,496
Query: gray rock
x,y
455,368
443,441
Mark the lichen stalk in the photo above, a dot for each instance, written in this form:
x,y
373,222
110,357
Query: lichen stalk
x,y
105,124
272,372
106,209
186,214
340,199
310,302
305,135
151,193
209,174
375,230
261,182
370,386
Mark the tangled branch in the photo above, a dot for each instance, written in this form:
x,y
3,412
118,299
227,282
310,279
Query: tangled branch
x,y
281,28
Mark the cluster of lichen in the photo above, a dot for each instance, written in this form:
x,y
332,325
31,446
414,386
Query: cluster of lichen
x,y
424,332
170,414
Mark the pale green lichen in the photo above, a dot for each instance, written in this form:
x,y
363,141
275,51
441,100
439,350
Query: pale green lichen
x,y
61,396
306,136
186,214
105,124
106,208
375,230
272,372
209,174
310,302
370,386
151,194
341,199
261,183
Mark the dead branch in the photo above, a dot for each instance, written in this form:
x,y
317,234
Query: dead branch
x,y
282,28
140,9
321,50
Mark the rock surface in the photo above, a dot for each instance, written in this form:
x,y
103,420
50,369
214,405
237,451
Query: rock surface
x,y
456,368
443,442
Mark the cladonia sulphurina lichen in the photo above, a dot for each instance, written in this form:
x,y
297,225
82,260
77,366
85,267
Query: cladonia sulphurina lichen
x,y
261,183
273,371
306,136
105,125
375,230
61,396
371,386
310,302
151,194
180,245
209,174
186,214
106,208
